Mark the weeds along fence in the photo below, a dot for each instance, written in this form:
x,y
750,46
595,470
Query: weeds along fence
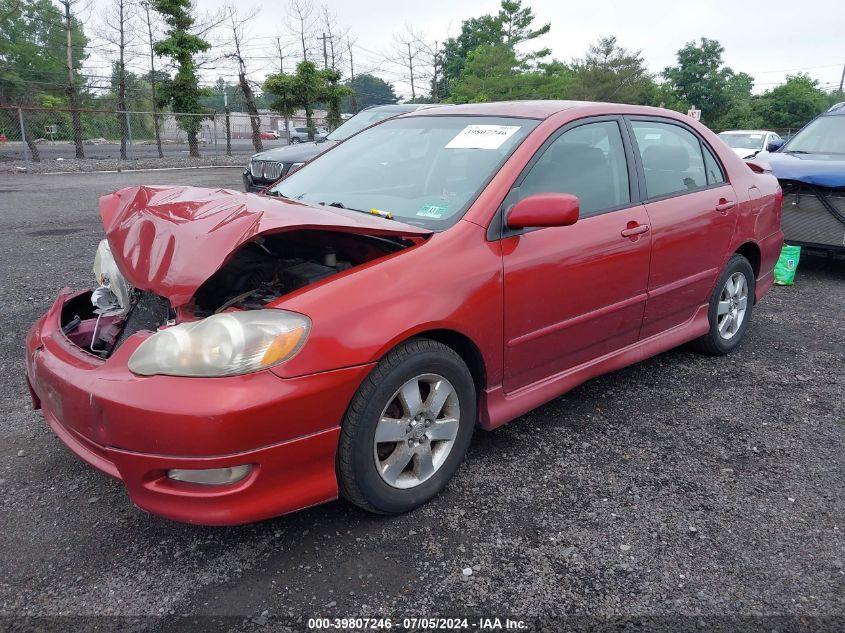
x,y
37,135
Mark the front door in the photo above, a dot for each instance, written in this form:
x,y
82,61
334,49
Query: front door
x,y
576,293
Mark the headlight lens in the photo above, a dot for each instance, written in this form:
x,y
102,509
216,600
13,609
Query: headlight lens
x,y
294,167
107,274
225,344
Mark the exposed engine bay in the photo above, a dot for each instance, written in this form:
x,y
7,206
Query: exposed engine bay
x,y
260,272
276,265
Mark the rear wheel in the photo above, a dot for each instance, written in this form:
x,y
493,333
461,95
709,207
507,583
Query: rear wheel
x,y
730,308
407,429
295,140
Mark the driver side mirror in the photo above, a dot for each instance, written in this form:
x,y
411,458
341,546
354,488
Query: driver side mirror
x,y
774,145
544,209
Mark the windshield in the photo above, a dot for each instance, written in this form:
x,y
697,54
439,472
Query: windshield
x,y
363,119
743,141
825,135
424,171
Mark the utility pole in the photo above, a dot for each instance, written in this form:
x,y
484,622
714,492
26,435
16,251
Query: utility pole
x,y
411,68
842,81
352,77
325,53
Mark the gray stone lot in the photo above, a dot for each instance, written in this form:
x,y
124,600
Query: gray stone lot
x,y
683,487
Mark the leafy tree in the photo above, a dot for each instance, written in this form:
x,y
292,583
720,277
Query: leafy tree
x,y
609,72
306,88
369,90
743,114
511,26
516,23
493,73
282,89
32,59
333,94
181,45
793,103
701,79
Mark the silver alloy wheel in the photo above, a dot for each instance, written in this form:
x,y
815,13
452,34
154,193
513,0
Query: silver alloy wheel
x,y
730,313
416,431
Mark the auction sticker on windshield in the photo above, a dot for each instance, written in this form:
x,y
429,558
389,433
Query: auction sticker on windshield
x,y
482,137
432,210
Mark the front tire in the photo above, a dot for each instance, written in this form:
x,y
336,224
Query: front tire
x,y
731,305
407,428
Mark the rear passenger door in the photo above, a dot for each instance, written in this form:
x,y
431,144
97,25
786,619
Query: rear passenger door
x,y
692,212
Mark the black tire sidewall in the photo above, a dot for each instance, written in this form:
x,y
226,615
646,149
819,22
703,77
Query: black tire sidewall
x,y
736,264
379,493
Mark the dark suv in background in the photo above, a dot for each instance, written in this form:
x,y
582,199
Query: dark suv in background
x,y
811,169
267,167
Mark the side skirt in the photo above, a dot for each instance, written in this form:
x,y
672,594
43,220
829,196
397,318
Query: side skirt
x,y
496,407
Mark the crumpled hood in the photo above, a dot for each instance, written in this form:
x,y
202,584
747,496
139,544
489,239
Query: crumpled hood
x,y
296,153
169,240
822,170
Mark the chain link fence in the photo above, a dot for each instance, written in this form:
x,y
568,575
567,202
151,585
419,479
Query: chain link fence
x,y
50,139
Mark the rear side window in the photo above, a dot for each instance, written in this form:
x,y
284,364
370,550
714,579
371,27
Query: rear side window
x,y
715,175
587,161
671,157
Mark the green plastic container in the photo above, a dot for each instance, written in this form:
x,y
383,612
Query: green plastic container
x,y
787,265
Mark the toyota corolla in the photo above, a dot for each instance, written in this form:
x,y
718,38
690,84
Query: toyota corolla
x,y
243,356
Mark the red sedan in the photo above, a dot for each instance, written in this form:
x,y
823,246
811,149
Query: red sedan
x,y
244,356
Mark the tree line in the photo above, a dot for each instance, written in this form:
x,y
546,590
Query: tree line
x,y
43,47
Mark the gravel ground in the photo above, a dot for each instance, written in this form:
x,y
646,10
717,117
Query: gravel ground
x,y
685,492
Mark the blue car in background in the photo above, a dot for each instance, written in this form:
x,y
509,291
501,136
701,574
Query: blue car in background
x,y
811,169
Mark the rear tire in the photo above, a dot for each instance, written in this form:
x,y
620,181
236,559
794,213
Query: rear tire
x,y
407,428
731,305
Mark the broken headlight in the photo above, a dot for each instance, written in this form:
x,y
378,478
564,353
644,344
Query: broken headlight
x,y
226,344
110,279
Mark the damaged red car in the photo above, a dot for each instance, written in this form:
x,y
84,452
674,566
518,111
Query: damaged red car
x,y
243,356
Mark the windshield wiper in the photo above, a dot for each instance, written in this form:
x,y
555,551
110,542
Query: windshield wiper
x,y
387,215
795,151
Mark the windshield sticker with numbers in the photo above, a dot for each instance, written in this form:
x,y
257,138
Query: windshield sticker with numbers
x,y
482,137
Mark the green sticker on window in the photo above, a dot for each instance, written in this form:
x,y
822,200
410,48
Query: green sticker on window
x,y
432,210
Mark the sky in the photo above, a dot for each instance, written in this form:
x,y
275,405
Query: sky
x,y
768,39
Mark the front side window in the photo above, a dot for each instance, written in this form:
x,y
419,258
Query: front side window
x,y
587,161
423,170
671,158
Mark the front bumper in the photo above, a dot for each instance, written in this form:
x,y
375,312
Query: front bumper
x,y
136,428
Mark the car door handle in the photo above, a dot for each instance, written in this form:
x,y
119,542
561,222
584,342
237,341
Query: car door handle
x,y
725,205
635,230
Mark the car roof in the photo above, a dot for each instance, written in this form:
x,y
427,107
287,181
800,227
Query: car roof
x,y
837,109
544,109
